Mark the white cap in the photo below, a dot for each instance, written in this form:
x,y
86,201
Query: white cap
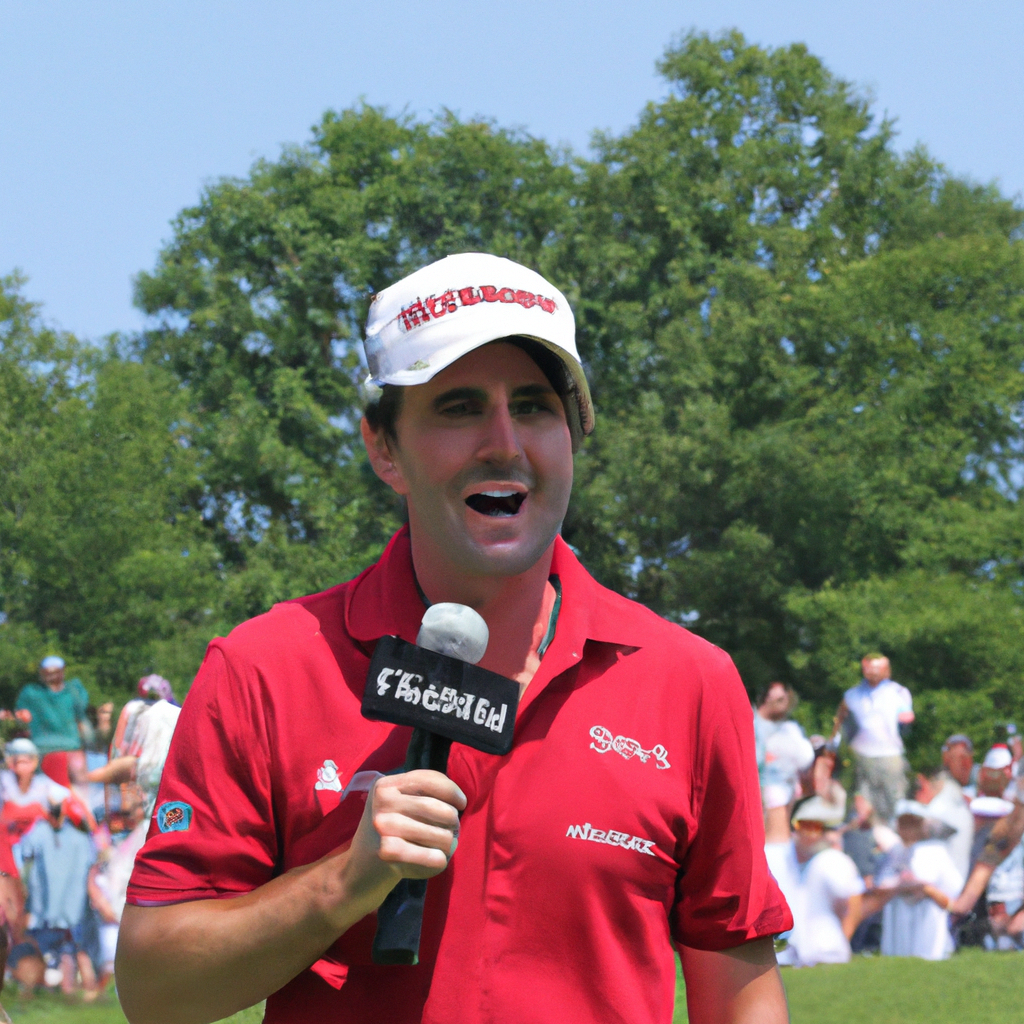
x,y
991,807
21,745
998,757
51,661
443,311
816,809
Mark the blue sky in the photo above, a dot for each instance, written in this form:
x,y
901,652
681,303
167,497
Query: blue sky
x,y
114,114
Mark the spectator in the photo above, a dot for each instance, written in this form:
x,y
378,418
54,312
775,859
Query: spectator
x,y
58,722
946,803
958,762
27,793
821,885
916,885
881,711
106,916
823,782
783,751
57,858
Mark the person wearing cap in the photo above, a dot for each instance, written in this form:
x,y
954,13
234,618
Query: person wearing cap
x,y
1004,893
915,887
59,722
880,710
624,823
958,765
27,793
821,884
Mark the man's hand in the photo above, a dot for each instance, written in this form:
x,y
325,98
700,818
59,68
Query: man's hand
x,y
409,829
189,963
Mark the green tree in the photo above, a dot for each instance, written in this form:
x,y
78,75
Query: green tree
x,y
260,299
806,355
101,552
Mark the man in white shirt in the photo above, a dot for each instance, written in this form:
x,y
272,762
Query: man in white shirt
x,y
821,885
880,710
783,751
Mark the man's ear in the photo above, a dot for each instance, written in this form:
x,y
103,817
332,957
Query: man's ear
x,y
381,458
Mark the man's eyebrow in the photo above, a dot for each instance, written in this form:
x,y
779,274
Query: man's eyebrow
x,y
460,395
480,394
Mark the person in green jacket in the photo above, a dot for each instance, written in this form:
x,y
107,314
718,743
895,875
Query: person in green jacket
x,y
58,716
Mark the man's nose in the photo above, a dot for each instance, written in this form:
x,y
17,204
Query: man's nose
x,y
500,442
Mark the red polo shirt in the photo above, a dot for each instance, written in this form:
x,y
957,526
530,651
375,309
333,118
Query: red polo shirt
x,y
626,816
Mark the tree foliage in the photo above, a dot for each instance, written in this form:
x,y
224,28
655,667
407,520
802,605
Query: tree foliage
x,y
805,350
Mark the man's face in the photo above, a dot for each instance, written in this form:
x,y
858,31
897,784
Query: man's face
x,y
23,765
484,457
959,762
993,781
52,677
875,669
776,703
807,834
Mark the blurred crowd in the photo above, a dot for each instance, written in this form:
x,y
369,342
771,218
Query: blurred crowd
x,y
904,864
77,790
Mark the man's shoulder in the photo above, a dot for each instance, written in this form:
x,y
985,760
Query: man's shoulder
x,y
281,634
618,619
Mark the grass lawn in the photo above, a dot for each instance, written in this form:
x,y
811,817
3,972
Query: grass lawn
x,y
972,988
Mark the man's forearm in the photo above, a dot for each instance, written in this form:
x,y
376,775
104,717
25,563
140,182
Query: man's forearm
x,y
191,963
735,986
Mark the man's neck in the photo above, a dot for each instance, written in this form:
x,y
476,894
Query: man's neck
x,y
517,609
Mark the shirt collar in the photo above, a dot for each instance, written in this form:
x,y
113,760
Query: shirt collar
x,y
384,600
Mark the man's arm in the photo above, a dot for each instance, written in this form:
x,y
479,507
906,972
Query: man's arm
x,y
842,712
852,917
735,986
1005,835
192,963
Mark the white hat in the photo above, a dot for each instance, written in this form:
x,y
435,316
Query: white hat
x,y
918,810
51,661
438,314
21,745
816,809
991,807
998,757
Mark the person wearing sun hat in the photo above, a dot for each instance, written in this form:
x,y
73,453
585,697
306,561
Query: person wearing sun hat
x,y
821,884
624,824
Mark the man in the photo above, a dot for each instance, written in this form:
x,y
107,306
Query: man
x,y
59,721
26,793
627,811
958,762
881,711
56,859
946,804
821,884
783,751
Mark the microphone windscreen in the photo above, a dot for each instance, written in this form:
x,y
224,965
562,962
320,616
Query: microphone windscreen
x,y
454,630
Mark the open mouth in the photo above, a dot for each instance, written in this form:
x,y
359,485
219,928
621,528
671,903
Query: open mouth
x,y
496,503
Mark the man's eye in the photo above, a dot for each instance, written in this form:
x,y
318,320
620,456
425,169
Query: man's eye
x,y
459,409
528,406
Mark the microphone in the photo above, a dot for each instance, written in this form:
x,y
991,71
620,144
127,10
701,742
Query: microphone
x,y
436,687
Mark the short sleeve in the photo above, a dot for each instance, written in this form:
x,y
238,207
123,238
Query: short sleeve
x,y
212,832
725,894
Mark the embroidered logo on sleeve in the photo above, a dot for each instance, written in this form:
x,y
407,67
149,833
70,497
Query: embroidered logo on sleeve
x,y
174,817
609,837
604,741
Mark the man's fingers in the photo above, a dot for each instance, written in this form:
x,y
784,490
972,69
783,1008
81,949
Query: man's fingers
x,y
398,826
420,808
424,782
